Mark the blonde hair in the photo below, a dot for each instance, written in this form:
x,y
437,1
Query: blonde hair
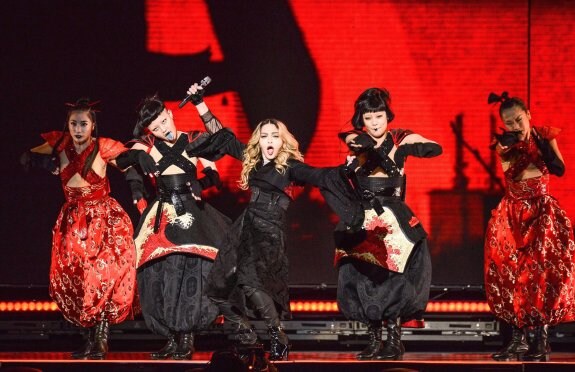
x,y
253,153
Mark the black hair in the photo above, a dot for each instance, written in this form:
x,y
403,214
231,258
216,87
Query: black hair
x,y
506,101
149,109
82,105
371,100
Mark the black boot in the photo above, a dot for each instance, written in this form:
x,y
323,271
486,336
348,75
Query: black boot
x,y
374,331
168,350
266,307
243,330
393,347
539,348
101,334
185,347
279,344
515,348
85,351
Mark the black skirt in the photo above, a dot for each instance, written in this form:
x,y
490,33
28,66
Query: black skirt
x,y
253,254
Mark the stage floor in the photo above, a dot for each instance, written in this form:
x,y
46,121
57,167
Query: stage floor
x,y
298,361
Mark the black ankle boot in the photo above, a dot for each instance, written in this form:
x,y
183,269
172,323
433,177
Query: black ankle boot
x,y
374,331
185,347
279,344
85,350
539,348
393,347
515,348
168,350
100,347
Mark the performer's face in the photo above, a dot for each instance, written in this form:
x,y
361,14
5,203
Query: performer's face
x,y
375,123
163,127
270,142
80,126
517,119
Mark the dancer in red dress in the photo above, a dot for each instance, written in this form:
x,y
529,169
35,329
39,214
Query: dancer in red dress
x,y
529,247
92,271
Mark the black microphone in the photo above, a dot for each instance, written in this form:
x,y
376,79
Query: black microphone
x,y
204,83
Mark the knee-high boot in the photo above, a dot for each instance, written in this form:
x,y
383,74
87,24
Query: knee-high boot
x,y
244,332
279,342
539,348
101,334
168,350
515,348
393,347
374,331
85,350
185,347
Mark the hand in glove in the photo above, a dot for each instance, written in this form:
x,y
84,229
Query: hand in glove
x,y
31,159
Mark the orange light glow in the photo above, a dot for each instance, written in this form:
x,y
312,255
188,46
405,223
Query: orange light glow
x,y
295,306
27,306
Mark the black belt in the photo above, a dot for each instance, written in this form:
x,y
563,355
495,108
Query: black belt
x,y
173,189
259,196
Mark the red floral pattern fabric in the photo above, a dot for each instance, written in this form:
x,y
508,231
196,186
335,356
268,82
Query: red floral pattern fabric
x,y
92,271
529,252
384,244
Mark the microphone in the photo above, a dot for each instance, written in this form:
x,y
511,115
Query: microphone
x,y
204,83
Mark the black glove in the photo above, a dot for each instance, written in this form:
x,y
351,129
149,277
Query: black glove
x,y
31,159
139,157
211,178
418,149
507,138
550,158
136,183
361,143
198,97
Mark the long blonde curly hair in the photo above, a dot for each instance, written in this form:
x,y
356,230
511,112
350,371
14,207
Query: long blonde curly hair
x,y
253,153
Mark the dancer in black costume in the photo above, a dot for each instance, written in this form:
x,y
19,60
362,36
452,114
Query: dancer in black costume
x,y
250,274
384,267
178,234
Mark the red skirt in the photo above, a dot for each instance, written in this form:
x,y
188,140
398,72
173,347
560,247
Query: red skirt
x,y
92,272
530,257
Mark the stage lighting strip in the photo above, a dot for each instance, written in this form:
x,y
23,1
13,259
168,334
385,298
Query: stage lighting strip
x,y
296,306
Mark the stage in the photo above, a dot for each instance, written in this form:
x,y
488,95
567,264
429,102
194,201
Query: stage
x,y
459,333
300,361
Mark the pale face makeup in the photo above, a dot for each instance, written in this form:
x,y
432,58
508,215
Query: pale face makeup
x,y
163,127
375,123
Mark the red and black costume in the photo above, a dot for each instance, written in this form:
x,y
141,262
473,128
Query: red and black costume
x,y
529,247
384,267
177,238
92,271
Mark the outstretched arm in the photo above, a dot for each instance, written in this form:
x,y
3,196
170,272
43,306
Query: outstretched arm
x,y
40,157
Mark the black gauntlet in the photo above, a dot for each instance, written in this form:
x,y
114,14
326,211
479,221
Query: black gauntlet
x,y
137,157
361,143
31,159
550,158
211,178
136,183
418,149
